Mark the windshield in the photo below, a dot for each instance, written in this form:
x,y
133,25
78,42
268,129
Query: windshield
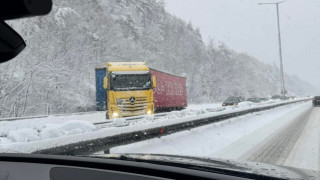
x,y
233,80
130,82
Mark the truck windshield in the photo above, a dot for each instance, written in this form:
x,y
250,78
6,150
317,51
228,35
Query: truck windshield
x,y
129,82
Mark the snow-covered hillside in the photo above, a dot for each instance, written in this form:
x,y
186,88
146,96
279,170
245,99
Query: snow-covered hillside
x,y
55,74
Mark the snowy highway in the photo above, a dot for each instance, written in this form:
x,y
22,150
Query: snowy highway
x,y
88,132
287,135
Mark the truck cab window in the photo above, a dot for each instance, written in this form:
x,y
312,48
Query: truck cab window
x,y
124,82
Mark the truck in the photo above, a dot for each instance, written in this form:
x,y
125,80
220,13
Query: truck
x,y
125,89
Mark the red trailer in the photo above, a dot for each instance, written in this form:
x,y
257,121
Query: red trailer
x,y
170,92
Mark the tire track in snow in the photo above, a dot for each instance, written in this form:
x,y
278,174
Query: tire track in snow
x,y
277,149
305,153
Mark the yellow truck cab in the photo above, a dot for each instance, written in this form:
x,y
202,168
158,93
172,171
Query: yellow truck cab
x,y
129,89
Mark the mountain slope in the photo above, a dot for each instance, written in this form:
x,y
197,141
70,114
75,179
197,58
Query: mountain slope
x,y
55,74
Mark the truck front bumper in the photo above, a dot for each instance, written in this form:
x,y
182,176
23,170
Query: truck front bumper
x,y
121,111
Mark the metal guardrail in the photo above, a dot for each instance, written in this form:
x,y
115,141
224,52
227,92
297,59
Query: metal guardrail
x,y
105,144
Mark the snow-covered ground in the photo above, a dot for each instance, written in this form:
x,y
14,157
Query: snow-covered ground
x,y
33,134
27,130
213,137
247,138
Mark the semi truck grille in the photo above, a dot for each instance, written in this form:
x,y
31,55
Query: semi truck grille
x,y
128,108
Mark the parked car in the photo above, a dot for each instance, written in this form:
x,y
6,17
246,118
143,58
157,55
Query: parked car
x,y
255,100
276,97
263,99
233,101
292,98
316,101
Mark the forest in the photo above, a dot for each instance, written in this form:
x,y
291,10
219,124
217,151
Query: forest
x,y
56,72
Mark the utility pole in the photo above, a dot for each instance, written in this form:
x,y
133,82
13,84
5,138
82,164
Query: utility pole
x,y
283,88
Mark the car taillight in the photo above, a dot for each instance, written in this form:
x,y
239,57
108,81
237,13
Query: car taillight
x,y
313,99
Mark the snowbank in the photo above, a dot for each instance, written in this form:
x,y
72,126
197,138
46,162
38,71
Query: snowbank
x,y
246,104
23,135
72,127
65,129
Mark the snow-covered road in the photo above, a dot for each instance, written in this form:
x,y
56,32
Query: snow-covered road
x,y
287,135
53,126
36,134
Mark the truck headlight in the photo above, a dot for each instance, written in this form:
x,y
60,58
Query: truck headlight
x,y
115,114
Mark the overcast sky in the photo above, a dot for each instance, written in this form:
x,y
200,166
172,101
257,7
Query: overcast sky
x,y
247,27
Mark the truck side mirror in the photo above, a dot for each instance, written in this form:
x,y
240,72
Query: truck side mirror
x,y
105,83
154,82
